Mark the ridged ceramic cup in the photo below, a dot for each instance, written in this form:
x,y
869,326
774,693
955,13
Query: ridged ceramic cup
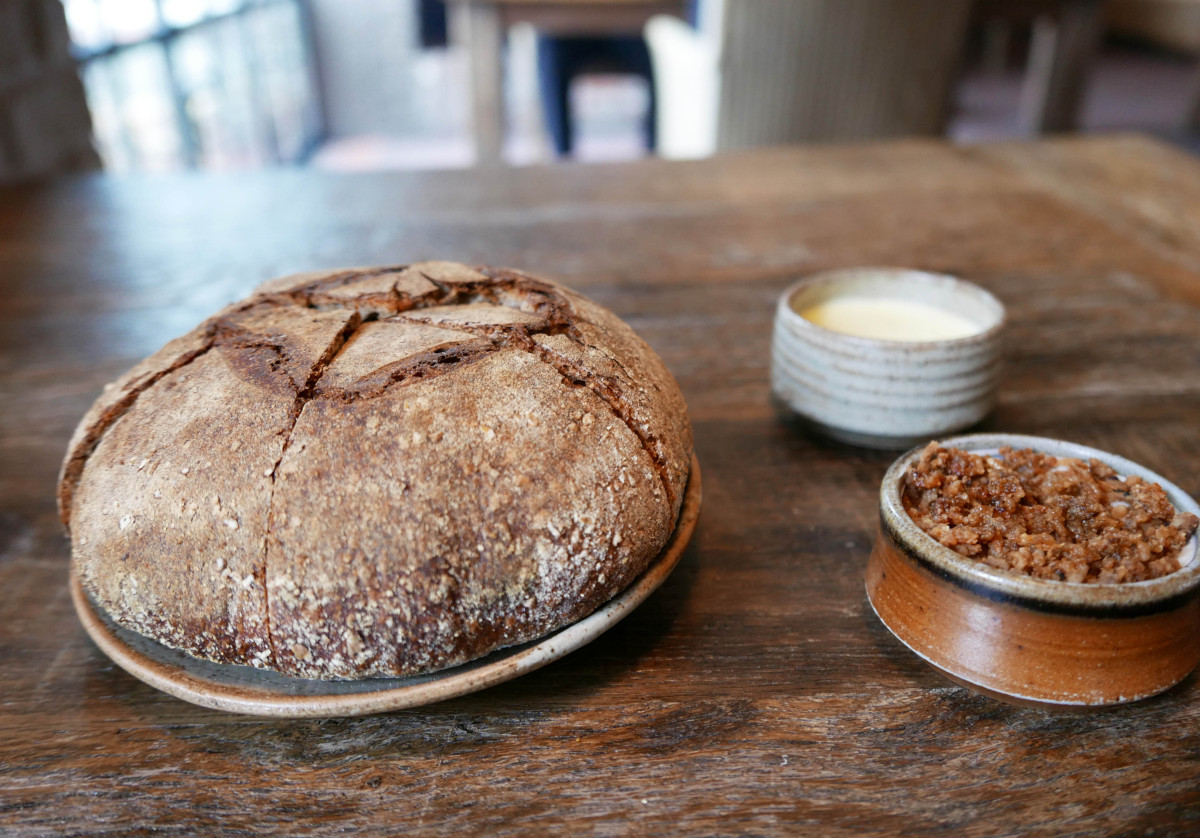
x,y
1028,640
886,393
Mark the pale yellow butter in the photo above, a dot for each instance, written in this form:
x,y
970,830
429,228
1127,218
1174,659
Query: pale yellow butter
x,y
889,319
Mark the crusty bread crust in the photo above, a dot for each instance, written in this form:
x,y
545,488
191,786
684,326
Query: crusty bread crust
x,y
377,471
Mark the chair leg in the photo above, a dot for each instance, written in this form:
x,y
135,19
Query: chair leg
x,y
1060,56
651,124
554,80
1191,116
636,55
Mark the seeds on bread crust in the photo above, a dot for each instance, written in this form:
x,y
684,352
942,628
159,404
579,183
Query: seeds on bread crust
x,y
377,471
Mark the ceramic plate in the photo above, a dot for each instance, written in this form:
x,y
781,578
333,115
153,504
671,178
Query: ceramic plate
x,y
244,689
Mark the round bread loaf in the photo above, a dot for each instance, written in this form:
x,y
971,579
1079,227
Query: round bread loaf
x,y
377,472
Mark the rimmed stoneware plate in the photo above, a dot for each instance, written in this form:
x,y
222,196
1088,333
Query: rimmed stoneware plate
x,y
1034,641
244,689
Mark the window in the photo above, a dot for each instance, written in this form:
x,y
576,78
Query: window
x,y
220,84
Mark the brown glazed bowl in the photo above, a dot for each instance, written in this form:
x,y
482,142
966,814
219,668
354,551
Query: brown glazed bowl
x,y
1026,640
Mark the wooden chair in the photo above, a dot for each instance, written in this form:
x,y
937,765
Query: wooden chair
x,y
1066,36
818,70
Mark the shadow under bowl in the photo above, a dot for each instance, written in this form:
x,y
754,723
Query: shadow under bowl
x,y
1026,640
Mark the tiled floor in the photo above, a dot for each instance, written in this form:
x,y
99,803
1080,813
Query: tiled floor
x,y
1130,89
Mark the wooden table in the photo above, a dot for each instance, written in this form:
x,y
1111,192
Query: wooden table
x,y
755,692
479,27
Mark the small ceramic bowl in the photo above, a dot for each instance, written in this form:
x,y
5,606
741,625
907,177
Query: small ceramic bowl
x,y
886,393
1027,640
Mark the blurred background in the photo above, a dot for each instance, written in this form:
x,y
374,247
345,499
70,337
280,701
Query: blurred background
x,y
167,85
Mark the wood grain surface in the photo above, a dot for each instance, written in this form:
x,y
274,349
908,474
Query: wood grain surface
x,y
755,692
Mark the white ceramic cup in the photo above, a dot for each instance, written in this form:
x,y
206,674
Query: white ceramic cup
x,y
886,393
